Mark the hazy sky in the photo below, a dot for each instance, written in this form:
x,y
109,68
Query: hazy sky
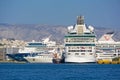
x,y
101,13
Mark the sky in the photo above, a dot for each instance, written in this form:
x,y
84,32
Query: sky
x,y
100,13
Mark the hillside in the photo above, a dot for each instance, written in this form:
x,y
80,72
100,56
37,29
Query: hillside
x,y
30,32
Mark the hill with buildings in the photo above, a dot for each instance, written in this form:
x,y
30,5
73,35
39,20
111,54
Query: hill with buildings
x,y
37,32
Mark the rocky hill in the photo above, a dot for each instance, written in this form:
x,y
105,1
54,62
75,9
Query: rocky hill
x,y
37,32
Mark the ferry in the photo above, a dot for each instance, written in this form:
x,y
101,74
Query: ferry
x,y
107,48
33,49
80,43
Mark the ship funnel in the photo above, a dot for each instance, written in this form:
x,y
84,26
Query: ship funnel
x,y
80,20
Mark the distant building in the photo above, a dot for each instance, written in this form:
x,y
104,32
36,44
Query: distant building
x,y
9,46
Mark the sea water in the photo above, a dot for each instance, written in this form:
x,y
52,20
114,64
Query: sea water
x,y
27,71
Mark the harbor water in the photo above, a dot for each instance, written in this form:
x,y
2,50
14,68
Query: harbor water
x,y
27,71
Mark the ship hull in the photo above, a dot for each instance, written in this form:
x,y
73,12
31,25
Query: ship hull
x,y
42,58
39,60
58,60
79,59
18,56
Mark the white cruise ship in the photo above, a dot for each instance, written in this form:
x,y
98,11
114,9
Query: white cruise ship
x,y
80,43
43,51
40,51
107,47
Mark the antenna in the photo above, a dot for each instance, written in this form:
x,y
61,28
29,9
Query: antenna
x,y
80,20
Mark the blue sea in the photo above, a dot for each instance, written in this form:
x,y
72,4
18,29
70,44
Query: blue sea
x,y
27,71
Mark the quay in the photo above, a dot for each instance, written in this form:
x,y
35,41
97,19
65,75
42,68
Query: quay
x,y
108,61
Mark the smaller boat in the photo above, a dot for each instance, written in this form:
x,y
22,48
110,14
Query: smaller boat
x,y
58,58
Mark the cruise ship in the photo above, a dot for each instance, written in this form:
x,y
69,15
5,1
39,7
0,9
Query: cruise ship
x,y
54,56
107,48
80,43
33,49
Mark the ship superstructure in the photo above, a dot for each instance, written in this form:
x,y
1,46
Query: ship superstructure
x,y
80,43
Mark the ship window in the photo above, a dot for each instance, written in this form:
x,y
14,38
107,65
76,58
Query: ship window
x,y
73,50
66,40
114,54
90,47
33,59
82,50
89,50
69,50
77,47
68,53
76,53
82,53
77,50
91,53
68,47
